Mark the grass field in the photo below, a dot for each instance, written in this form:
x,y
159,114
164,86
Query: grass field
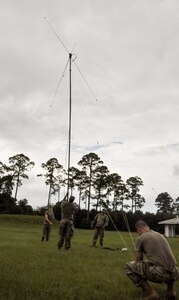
x,y
35,270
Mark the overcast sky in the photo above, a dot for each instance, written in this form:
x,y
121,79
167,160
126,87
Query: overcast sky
x,y
126,111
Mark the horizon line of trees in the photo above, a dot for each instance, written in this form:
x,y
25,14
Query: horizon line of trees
x,y
96,186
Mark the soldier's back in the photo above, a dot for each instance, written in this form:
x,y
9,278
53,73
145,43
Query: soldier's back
x,y
67,209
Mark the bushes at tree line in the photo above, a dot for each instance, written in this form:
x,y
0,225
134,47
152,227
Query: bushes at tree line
x,y
120,219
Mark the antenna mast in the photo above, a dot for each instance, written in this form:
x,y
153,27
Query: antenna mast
x,y
70,106
69,134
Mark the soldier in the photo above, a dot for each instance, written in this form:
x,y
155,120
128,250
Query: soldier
x,y
100,222
66,224
48,218
160,266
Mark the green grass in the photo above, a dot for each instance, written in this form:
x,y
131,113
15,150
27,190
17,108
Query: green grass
x,y
32,270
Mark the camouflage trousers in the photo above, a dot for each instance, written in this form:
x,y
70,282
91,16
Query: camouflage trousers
x,y
65,233
140,272
46,232
99,231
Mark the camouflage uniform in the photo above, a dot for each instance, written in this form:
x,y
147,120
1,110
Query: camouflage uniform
x,y
100,221
161,265
141,271
47,226
66,224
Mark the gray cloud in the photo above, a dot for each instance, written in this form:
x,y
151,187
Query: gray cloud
x,y
176,170
128,53
165,149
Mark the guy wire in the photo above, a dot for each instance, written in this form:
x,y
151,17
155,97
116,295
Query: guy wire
x,y
128,227
132,256
86,81
56,90
56,34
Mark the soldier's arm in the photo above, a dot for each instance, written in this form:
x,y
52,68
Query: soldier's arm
x,y
139,256
94,221
106,221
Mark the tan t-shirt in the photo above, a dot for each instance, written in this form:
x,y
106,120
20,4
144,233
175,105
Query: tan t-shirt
x,y
50,215
156,249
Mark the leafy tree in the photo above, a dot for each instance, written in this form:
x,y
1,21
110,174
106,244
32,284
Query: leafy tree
x,y
72,178
81,181
100,184
19,164
113,182
176,206
40,210
89,162
164,203
59,182
139,202
122,195
53,169
6,182
25,208
7,203
2,168
118,189
133,184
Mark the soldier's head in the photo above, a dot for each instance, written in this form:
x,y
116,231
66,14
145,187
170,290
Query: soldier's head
x,y
71,199
103,211
141,226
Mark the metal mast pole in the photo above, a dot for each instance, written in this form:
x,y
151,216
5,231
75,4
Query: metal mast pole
x,y
69,134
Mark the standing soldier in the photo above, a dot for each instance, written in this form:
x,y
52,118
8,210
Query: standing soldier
x,y
48,218
66,223
100,222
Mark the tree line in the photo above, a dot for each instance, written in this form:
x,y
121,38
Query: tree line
x,y
95,185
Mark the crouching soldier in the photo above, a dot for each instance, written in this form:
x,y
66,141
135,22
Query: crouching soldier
x,y
99,223
160,266
66,224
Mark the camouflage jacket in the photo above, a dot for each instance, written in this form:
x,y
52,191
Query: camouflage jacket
x,y
100,220
67,210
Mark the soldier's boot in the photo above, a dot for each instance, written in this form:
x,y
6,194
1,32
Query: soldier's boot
x,y
171,294
67,247
59,245
42,239
94,244
101,243
150,292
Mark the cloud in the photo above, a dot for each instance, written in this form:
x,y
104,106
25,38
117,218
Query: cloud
x,y
128,54
176,170
165,149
